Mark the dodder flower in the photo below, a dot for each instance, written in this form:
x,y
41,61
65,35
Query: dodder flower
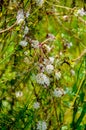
x,y
58,75
19,94
26,30
35,43
81,12
20,16
39,2
23,43
49,68
36,105
41,125
42,79
58,92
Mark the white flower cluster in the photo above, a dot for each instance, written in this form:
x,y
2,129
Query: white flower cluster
x,y
51,37
70,44
19,94
26,30
20,16
39,2
58,75
41,125
35,44
49,61
42,79
48,48
23,43
58,92
49,69
81,12
72,72
36,105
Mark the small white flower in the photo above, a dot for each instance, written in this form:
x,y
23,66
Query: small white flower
x,y
51,59
26,53
39,2
72,72
19,94
20,16
27,14
51,37
81,12
58,75
60,53
42,79
46,62
42,67
49,68
26,30
70,44
23,43
65,17
36,105
35,43
26,60
58,92
41,125
48,48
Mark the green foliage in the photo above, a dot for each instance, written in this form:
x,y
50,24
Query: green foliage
x,y
42,65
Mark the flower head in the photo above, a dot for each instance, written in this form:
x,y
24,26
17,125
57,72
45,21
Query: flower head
x,y
81,12
35,43
39,2
19,94
72,72
23,43
20,16
58,92
36,105
26,30
58,75
41,125
49,68
42,79
51,60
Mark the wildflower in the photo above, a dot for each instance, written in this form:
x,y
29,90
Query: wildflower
x,y
51,37
23,43
72,72
20,16
51,59
27,14
42,79
41,125
58,75
39,2
19,94
48,49
49,68
26,53
81,12
26,30
26,60
36,105
70,44
42,68
60,53
58,92
35,43
65,18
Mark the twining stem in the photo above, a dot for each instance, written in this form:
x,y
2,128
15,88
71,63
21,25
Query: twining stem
x,y
9,28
